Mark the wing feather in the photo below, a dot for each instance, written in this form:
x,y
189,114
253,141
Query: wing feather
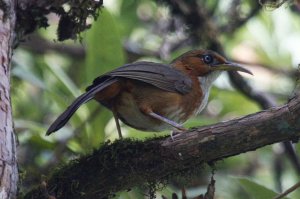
x,y
160,75
85,97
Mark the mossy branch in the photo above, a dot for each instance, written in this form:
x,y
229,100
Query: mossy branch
x,y
73,16
127,163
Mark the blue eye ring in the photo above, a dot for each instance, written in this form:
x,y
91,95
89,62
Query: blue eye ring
x,y
208,59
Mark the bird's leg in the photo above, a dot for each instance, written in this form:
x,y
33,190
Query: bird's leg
x,y
173,133
166,120
117,123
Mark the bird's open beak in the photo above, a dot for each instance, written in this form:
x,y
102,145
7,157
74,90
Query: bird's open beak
x,y
231,66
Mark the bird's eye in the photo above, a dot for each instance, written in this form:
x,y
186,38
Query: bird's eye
x,y
208,59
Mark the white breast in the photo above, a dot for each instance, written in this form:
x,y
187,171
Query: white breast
x,y
205,84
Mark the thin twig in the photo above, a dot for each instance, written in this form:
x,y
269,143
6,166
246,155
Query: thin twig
x,y
285,193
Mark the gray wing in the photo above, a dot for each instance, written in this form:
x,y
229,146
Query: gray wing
x,y
160,75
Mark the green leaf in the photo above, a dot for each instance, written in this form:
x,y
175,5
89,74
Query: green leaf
x,y
128,18
24,70
104,46
256,190
60,74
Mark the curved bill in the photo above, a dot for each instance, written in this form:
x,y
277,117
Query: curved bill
x,y
231,66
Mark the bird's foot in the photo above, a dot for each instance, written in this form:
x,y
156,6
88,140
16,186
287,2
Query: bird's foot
x,y
177,131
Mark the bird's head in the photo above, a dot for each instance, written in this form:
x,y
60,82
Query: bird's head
x,y
204,62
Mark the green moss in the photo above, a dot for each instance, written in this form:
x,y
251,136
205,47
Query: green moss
x,y
71,23
120,165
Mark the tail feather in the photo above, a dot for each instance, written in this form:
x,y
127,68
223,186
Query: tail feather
x,y
85,97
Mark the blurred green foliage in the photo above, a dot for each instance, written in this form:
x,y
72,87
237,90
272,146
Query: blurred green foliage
x,y
256,190
44,84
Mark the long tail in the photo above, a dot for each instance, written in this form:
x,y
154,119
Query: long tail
x,y
85,97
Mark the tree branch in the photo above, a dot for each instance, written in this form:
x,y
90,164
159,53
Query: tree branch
x,y
40,45
125,163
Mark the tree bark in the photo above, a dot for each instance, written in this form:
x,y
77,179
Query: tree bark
x,y
8,164
126,163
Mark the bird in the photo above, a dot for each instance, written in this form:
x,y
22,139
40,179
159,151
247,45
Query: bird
x,y
152,96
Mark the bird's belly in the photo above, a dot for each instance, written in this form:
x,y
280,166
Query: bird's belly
x,y
130,114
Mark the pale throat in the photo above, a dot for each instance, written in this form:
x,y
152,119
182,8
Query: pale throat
x,y
205,84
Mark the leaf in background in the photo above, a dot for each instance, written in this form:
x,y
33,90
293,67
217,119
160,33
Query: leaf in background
x,y
256,190
28,76
231,102
128,16
57,70
23,69
104,46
